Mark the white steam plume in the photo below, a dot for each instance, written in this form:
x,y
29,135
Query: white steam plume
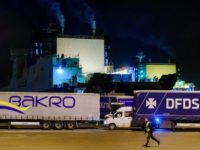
x,y
55,10
59,15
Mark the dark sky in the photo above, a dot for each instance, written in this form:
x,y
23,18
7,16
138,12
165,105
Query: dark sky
x,y
161,29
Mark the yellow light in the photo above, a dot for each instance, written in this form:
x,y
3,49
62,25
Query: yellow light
x,y
157,70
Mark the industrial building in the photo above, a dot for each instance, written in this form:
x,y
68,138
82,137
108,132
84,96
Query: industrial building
x,y
90,51
58,60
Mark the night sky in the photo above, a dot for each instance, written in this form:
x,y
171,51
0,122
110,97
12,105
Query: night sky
x,y
162,30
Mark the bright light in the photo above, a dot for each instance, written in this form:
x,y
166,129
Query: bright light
x,y
157,120
59,70
121,71
158,70
85,74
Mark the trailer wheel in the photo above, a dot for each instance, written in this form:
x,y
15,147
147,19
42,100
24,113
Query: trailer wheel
x,y
58,125
70,125
46,125
112,126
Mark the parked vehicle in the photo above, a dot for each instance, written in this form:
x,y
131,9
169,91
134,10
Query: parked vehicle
x,y
49,110
57,110
166,109
110,103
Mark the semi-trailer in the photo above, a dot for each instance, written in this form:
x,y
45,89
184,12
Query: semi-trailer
x,y
57,110
49,110
166,109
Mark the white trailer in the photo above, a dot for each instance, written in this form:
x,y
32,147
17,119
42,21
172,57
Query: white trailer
x,y
50,110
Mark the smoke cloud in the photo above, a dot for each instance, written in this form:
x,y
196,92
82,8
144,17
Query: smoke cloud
x,y
89,14
152,40
82,11
55,11
55,7
78,8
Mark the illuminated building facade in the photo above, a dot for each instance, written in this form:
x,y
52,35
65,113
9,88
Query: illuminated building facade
x,y
154,71
66,71
183,86
125,74
90,51
141,72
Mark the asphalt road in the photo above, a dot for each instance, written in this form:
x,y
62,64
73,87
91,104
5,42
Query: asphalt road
x,y
95,139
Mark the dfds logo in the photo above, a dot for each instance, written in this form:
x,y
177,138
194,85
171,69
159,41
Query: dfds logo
x,y
175,103
184,103
23,103
151,103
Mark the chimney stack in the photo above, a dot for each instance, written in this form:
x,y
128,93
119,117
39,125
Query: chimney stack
x,y
94,27
62,30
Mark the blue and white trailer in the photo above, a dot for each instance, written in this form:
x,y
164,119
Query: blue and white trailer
x,y
166,109
169,109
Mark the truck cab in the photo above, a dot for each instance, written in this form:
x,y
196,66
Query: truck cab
x,y
122,118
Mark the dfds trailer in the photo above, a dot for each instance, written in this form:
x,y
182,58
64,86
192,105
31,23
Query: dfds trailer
x,y
166,109
49,110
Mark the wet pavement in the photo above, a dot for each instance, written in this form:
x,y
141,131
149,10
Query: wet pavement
x,y
95,139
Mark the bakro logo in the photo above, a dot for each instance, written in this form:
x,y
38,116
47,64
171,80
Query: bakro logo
x,y
22,103
12,107
151,103
43,101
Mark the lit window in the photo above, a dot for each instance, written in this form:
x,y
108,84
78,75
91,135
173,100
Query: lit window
x,y
36,51
40,44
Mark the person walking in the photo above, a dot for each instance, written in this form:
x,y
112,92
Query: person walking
x,y
149,131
